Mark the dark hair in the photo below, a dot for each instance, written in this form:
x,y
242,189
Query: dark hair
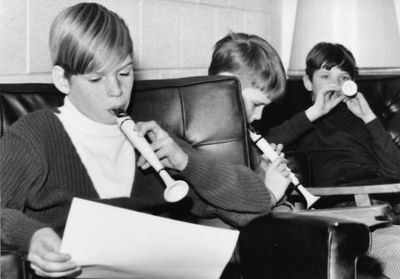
x,y
328,55
253,60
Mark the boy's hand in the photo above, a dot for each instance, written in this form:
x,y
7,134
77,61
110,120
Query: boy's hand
x,y
167,150
325,100
360,107
45,257
278,149
277,178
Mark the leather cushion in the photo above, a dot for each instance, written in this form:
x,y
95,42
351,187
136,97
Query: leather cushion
x,y
12,264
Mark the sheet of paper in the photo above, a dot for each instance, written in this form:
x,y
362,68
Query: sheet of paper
x,y
110,242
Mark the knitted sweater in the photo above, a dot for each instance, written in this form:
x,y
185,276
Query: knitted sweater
x,y
41,172
344,150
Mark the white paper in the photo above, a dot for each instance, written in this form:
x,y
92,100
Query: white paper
x,y
111,242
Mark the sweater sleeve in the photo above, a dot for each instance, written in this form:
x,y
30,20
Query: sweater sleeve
x,y
290,130
21,172
387,153
231,192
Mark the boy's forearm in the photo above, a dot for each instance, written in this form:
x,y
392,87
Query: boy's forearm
x,y
227,186
17,228
290,130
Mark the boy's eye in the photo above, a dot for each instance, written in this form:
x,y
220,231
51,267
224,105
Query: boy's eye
x,y
324,76
94,79
125,74
345,78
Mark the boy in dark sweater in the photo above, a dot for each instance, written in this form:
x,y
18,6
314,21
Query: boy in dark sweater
x,y
348,145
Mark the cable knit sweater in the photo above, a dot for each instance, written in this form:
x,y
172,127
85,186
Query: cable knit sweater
x,y
41,172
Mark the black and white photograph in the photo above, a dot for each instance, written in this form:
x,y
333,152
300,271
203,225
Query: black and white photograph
x,y
200,139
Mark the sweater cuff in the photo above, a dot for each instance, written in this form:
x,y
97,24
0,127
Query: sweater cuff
x,y
301,120
227,186
19,231
376,129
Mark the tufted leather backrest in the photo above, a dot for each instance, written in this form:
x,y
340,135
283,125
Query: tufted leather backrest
x,y
206,111
17,100
381,92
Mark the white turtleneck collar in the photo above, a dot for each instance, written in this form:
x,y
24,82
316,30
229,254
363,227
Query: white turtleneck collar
x,y
86,125
107,155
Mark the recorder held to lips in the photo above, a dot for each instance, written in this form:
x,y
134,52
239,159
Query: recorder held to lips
x,y
175,189
349,88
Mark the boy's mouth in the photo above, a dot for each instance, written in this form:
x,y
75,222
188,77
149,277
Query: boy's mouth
x,y
119,112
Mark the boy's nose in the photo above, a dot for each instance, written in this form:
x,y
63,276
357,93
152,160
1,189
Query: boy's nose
x,y
114,87
338,82
258,113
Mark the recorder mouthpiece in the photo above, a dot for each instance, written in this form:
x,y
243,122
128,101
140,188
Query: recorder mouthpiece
x,y
349,88
120,112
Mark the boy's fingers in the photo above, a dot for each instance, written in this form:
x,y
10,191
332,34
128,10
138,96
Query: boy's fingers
x,y
142,163
151,128
279,148
52,263
56,257
54,274
275,163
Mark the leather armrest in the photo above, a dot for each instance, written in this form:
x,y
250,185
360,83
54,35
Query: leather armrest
x,y
361,193
355,189
12,263
371,216
287,245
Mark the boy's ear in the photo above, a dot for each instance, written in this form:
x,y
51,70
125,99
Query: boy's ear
x,y
307,83
59,79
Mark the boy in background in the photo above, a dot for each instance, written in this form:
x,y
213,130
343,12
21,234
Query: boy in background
x,y
349,145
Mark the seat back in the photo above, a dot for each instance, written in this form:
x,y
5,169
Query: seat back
x,y
17,100
205,111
